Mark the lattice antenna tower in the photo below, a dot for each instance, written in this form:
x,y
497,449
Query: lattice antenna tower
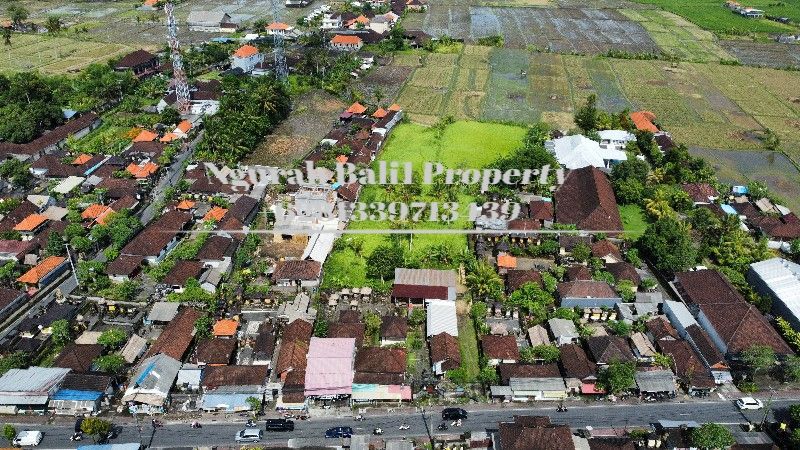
x,y
281,71
178,75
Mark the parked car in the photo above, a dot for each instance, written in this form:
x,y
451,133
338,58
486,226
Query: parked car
x,y
279,425
453,414
749,403
339,432
249,435
28,438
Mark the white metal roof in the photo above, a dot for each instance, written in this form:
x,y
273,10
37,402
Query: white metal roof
x,y
782,277
655,381
442,318
562,328
70,183
680,313
616,135
33,380
577,151
163,311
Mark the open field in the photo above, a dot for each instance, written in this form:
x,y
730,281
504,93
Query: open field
x,y
764,54
677,36
714,16
633,220
55,54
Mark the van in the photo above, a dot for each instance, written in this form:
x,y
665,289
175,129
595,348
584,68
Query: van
x,y
279,425
28,438
249,435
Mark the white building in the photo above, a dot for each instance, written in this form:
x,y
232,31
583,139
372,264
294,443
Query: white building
x,y
615,139
577,151
246,58
779,279
441,318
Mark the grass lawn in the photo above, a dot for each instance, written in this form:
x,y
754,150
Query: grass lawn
x,y
468,344
633,220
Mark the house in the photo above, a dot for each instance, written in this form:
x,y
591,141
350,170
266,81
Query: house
x,y
246,58
615,139
329,370
416,5
537,335
578,151
53,140
151,383
159,238
579,370
216,251
445,353
31,225
264,344
292,393
394,330
211,21
711,357
81,394
78,357
331,21
735,327
279,28
532,389
563,331
778,279
532,433
624,271
655,382
177,336
586,199
606,251
606,349
679,315
515,278
51,166
29,389
642,347
12,250
441,318
380,375
225,328
418,285
227,388
141,62
659,328
189,377
354,330
215,352
133,349
690,370
348,43
644,121
10,301
701,193
294,347
500,349
296,275
44,273
124,268
705,287
587,294
181,272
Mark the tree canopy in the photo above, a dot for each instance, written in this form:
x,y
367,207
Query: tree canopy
x,y
669,245
712,436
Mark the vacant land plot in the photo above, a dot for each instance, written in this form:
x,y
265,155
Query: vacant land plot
x,y
678,37
55,54
713,15
764,54
307,124
383,83
633,220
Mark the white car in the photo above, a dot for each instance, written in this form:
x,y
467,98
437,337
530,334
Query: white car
x,y
28,438
749,403
249,435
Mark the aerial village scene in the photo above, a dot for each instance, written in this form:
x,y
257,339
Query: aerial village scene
x,y
400,224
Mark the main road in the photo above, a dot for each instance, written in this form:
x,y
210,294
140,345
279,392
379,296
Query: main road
x,y
312,432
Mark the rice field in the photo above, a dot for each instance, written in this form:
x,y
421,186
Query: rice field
x,y
55,54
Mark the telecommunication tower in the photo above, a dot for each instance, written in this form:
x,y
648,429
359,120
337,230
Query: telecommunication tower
x,y
281,71
178,75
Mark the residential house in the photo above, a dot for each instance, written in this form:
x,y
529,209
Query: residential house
x,y
735,327
217,251
579,370
31,225
44,273
615,139
181,272
124,268
141,62
159,238
354,330
586,199
644,121
211,21
701,193
246,58
331,21
516,278
53,140
656,382
162,313
537,335
29,389
12,250
441,318
151,383
577,151
778,279
225,328
280,28
10,301
416,5
659,328
348,43
563,331
713,359
587,294
380,375
688,366
189,377
81,393
264,344
607,349
445,353
394,330
78,357
294,347
500,349
296,275
606,251
177,336
642,347
533,433
227,388
418,285
679,315
215,352
329,370
133,349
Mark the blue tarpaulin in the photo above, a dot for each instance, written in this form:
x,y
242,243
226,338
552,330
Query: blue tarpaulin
x,y
72,394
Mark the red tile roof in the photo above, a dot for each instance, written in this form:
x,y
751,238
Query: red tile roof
x,y
176,336
38,272
357,108
643,120
500,347
31,222
245,51
586,199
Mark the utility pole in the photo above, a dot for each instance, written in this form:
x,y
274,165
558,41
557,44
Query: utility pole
x,y
72,265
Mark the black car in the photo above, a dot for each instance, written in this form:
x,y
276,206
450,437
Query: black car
x,y
339,432
453,414
279,425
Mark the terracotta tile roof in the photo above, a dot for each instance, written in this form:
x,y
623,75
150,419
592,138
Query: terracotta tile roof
x,y
292,356
125,265
297,270
243,208
585,289
624,271
215,351
741,325
216,214
586,199
52,137
226,327
578,272
216,247
137,57
508,371
182,271
278,26
615,443
78,357
349,316
575,362
606,349
144,171
380,113
381,360
506,261
31,222
81,159
176,336
540,210
145,136
184,126
516,278
444,347
417,292
245,51
601,249
38,272
169,137
524,224
700,192
348,330
94,211
216,376
362,19
687,364
298,330
342,39
185,205
500,347
705,346
53,167
706,287
783,228
643,120
394,107
660,328
529,436
394,327
356,108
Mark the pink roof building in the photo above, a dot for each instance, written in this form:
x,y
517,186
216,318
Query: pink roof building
x,y
329,371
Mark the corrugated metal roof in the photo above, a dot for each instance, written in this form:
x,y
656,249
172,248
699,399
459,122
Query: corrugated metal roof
x,y
442,318
519,385
655,381
31,380
680,313
782,277
133,348
425,277
163,311
154,378
228,402
562,328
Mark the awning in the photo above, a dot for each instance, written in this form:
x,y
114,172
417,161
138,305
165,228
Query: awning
x,y
587,388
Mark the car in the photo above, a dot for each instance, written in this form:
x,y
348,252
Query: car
x,y
249,435
749,403
279,425
453,414
339,432
28,438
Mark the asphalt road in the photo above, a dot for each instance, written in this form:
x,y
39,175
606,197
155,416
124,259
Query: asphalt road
x,y
174,173
313,431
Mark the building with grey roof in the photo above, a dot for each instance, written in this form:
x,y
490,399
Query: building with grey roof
x,y
563,330
679,316
150,385
31,388
162,312
779,279
655,382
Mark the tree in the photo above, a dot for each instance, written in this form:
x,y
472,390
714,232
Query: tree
x,y
794,413
7,36
16,360
255,405
203,326
543,352
771,140
112,363
372,323
170,116
581,252
383,260
17,14
55,245
488,375
484,282
532,299
586,116
791,368
321,326
61,332
631,169
417,317
618,377
112,338
53,24
626,290
662,360
669,245
758,357
619,327
712,436
96,427
9,432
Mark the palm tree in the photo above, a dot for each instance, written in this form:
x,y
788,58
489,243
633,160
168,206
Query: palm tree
x,y
483,281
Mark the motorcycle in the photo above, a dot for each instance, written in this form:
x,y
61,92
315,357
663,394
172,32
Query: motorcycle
x,y
442,426
561,408
360,418
157,423
377,431
196,425
404,426
251,423
77,436
456,423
